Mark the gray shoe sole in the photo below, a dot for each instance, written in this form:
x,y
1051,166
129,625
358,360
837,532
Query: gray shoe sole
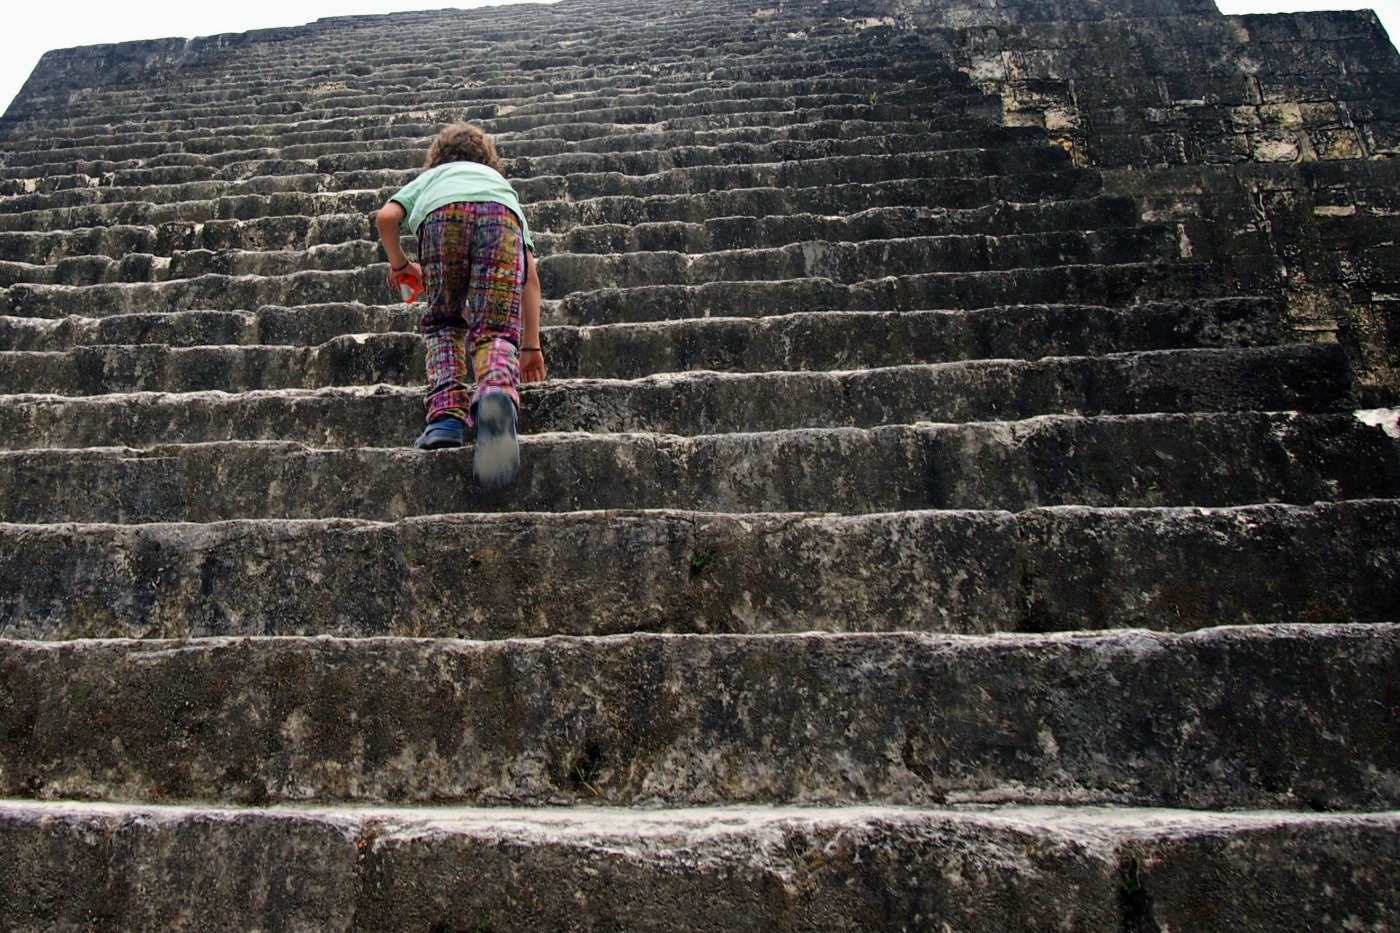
x,y
497,455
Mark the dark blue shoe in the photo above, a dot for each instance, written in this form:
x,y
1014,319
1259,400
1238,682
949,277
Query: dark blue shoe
x,y
445,432
497,455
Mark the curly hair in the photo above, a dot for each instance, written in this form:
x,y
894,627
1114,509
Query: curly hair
x,y
463,142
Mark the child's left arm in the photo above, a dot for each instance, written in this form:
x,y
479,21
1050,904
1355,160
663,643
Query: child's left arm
x,y
531,353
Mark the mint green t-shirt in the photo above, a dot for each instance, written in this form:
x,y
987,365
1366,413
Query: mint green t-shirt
x,y
458,181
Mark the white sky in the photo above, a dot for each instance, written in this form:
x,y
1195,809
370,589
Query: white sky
x,y
32,27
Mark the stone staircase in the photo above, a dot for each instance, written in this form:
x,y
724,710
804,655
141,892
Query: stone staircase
x,y
909,536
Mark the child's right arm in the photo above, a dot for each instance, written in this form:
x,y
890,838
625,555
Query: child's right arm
x,y
387,222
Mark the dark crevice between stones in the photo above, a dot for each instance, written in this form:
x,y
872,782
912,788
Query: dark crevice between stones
x,y
584,768
1134,903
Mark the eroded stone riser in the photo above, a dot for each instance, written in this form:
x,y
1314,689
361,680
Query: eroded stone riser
x,y
1137,718
721,869
1147,460
467,576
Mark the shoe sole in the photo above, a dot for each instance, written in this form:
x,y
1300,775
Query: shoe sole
x,y
497,455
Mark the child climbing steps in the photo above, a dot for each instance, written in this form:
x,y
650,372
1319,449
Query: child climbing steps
x,y
477,269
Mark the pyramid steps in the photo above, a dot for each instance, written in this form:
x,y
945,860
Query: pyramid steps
x,y
905,526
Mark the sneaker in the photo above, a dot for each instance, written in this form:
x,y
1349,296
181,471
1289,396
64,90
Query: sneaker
x,y
445,432
497,455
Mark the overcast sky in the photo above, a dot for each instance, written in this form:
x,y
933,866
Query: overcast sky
x,y
33,27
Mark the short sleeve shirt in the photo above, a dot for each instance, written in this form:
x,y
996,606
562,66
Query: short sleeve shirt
x,y
452,182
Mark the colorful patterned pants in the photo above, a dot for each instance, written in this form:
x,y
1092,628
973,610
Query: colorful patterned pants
x,y
473,259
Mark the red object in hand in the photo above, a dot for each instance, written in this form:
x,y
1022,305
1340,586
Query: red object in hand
x,y
410,282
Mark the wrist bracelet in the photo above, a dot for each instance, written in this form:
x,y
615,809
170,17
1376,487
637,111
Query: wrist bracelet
x,y
531,350
402,267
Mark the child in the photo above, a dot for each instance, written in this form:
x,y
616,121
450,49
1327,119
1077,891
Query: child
x,y
478,270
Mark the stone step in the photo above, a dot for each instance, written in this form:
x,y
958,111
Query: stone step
x,y
879,223
861,169
563,273
706,235
958,572
1142,460
277,396
1133,718
802,341
569,274
1121,283
552,211
980,870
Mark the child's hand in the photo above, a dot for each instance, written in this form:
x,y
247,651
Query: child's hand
x,y
532,366
410,274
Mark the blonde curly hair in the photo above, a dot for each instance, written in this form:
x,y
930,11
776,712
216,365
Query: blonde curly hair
x,y
463,142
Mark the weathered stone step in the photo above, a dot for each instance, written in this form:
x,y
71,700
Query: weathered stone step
x,y
569,274
306,325
962,572
1119,285
861,169
553,210
1143,460
267,233
802,341
712,869
563,273
1133,718
858,340
708,235
1309,378
878,223
190,213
